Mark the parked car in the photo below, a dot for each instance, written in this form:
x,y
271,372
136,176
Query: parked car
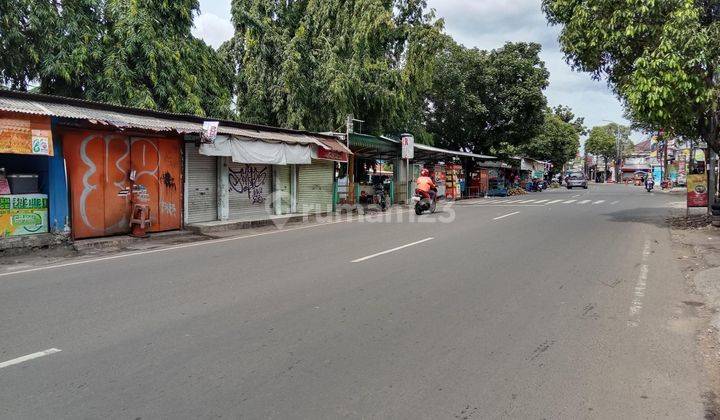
x,y
576,179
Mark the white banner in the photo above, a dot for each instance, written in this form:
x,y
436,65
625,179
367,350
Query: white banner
x,y
258,152
408,146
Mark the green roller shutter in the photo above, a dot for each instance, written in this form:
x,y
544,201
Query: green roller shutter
x,y
315,187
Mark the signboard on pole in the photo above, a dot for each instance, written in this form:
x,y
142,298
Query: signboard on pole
x,y
697,195
408,146
210,131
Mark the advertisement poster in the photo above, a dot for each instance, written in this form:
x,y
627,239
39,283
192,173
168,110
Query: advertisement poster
x,y
24,214
697,195
25,137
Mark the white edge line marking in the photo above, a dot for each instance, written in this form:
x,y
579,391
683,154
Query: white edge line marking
x,y
183,246
507,215
369,257
29,357
641,286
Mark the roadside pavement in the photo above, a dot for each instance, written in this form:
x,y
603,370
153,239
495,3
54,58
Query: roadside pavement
x,y
697,249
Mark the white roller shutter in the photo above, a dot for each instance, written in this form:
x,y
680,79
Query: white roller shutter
x,y
283,190
202,185
315,187
250,190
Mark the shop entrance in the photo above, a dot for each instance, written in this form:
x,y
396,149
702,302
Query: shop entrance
x,y
100,166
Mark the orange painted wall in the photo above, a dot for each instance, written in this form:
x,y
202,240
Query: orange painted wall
x,y
99,166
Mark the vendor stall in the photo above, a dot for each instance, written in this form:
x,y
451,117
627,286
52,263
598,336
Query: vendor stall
x,y
25,147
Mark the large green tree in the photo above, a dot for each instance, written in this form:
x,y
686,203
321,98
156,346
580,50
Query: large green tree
x,y
661,57
558,141
307,64
481,101
152,60
602,142
129,52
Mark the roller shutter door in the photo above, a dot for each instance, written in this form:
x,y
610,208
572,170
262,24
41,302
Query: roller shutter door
x,y
250,190
202,185
315,187
282,187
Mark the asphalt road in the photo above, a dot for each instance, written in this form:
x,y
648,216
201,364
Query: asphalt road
x,y
566,306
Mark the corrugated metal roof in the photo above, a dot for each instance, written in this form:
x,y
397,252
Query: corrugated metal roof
x,y
450,152
125,118
96,116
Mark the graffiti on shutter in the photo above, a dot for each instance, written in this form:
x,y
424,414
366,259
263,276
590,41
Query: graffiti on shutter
x,y
250,180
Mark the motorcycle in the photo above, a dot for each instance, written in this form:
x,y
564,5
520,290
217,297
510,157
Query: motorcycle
x,y
649,185
423,203
380,199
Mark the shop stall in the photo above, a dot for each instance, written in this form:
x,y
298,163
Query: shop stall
x,y
26,151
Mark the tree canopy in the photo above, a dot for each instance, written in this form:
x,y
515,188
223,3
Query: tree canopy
x,y
558,141
129,52
660,56
480,100
308,64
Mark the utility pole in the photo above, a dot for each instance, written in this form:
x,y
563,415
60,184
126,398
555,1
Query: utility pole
x,y
712,176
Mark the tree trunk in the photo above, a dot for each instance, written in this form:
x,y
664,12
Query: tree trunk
x,y
666,171
606,171
711,137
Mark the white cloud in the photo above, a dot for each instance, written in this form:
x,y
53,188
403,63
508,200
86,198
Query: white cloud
x,y
485,24
489,24
213,29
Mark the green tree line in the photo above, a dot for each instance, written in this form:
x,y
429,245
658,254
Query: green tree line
x,y
303,64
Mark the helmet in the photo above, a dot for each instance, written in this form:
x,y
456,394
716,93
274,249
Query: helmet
x,y
424,172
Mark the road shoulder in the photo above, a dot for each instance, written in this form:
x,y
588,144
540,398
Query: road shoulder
x,y
697,250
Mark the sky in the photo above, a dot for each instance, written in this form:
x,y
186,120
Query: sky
x,y
486,24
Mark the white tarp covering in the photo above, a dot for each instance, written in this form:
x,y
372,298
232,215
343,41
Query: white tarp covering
x,y
258,152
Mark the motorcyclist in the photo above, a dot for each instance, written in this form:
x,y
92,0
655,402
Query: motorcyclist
x,y
649,182
425,185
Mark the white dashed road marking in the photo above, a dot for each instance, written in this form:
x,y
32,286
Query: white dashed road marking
x,y
599,202
369,257
584,201
554,201
507,215
569,201
23,359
